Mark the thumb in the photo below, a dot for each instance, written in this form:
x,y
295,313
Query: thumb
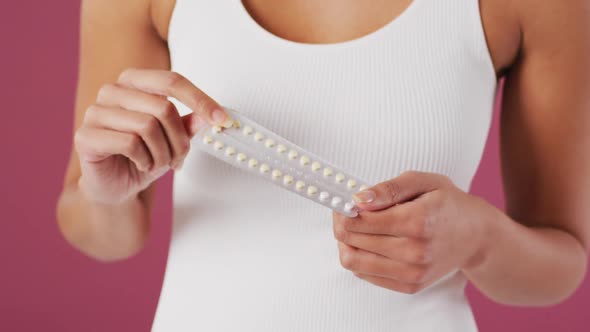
x,y
406,187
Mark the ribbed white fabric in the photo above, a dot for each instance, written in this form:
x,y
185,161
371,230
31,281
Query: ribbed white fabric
x,y
248,256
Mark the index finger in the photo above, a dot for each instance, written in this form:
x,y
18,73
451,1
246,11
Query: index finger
x,y
172,84
402,220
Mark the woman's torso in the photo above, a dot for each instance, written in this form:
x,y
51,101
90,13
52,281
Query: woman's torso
x,y
245,255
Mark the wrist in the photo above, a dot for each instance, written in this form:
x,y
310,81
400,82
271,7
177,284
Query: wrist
x,y
487,234
104,201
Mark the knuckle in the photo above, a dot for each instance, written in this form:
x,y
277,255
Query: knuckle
x,y
348,260
444,179
106,91
183,149
392,189
174,80
150,126
347,225
133,144
90,114
340,233
126,73
423,225
167,111
419,228
80,137
417,275
421,254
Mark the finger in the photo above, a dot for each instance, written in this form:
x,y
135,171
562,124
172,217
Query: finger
x,y
403,249
392,284
361,261
95,144
411,219
163,110
405,187
142,124
172,84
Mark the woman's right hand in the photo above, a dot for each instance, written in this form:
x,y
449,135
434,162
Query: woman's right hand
x,y
133,134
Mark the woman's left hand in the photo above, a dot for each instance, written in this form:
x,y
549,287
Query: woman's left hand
x,y
412,230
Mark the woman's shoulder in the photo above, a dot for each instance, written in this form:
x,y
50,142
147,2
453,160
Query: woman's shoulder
x,y
542,19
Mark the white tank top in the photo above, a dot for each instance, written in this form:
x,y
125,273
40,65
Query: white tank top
x,y
248,256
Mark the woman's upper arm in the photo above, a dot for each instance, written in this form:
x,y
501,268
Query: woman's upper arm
x,y
545,121
114,35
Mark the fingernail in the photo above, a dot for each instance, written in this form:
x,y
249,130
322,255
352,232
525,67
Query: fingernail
x,y
363,197
221,119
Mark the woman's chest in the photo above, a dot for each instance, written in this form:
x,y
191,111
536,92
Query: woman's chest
x,y
393,102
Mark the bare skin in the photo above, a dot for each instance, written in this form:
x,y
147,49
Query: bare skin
x,y
413,229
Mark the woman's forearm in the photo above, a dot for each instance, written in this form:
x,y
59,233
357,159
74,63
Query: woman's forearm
x,y
105,232
527,266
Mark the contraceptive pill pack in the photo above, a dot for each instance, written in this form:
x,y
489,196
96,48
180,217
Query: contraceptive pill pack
x,y
257,150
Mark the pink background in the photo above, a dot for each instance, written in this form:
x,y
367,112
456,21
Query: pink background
x,y
45,285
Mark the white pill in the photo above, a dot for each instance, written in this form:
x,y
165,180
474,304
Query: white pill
x,y
276,174
258,137
288,179
264,168
339,178
281,148
270,143
336,201
328,172
304,161
311,191
348,207
315,166
230,151
207,140
363,187
299,185
216,129
324,196
241,157
351,184
252,163
248,130
292,154
218,145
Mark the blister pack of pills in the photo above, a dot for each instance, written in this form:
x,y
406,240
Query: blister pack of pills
x,y
257,150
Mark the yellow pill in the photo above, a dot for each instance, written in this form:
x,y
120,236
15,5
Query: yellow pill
x,y
315,166
258,137
292,154
288,179
299,185
311,191
248,130
264,168
351,184
276,174
304,161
